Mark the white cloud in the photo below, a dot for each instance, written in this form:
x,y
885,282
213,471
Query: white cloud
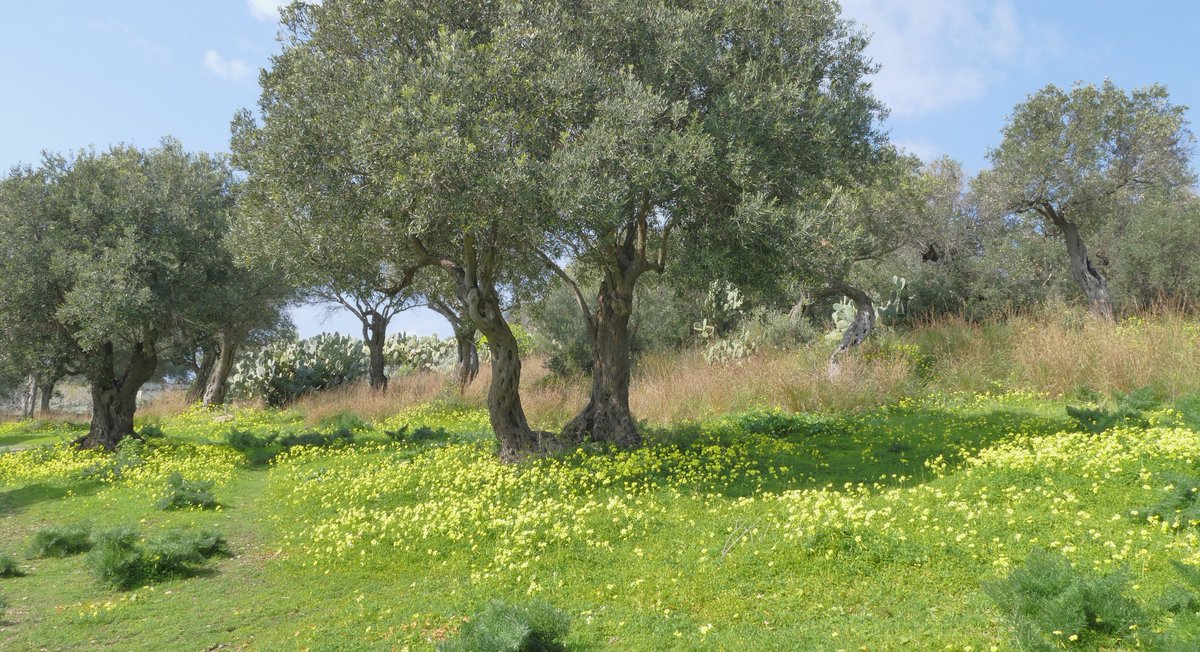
x,y
938,53
151,49
922,149
269,9
232,69
266,9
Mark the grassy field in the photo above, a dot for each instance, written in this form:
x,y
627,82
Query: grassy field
x,y
762,530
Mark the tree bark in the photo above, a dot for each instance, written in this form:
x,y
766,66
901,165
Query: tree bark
x,y
607,417
507,415
375,335
114,398
47,394
199,384
464,338
217,388
1090,280
29,397
860,328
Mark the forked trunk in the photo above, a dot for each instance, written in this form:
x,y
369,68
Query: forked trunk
x,y
217,388
114,398
859,329
29,397
1090,280
195,390
607,417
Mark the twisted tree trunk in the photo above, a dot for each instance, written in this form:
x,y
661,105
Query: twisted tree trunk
x,y
196,389
46,391
464,339
1089,279
860,328
217,388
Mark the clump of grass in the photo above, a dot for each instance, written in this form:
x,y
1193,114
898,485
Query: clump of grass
x,y
61,540
182,493
420,433
1127,410
321,439
1180,508
1051,604
533,627
122,560
9,567
258,450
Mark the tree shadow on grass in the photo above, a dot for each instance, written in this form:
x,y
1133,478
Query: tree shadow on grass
x,y
884,447
21,498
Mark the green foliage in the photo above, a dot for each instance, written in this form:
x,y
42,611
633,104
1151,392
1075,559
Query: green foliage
x,y
9,567
182,493
151,431
320,439
1124,410
61,540
284,371
503,627
123,560
1049,603
1180,508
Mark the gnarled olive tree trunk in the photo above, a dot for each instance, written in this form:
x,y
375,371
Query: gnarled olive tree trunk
x,y
217,388
507,415
114,397
607,417
1090,280
860,327
45,395
196,389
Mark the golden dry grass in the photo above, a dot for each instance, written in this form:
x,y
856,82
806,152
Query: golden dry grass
x,y
1055,352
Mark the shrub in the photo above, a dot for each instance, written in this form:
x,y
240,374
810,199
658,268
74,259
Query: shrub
x,y
151,431
9,567
122,560
61,540
339,436
533,627
257,449
1050,604
183,493
1126,410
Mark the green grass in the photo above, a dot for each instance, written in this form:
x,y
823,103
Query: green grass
x,y
761,531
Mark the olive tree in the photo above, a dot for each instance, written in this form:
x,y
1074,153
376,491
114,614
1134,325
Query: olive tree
x,y
421,129
112,253
1071,160
701,117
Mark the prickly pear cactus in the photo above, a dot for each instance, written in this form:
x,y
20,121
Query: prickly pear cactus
x,y
419,353
283,371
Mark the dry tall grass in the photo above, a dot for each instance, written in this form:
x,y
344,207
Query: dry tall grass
x,y
1055,352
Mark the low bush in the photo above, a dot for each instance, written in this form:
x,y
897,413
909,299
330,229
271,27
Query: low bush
x,y
1126,410
1051,604
502,627
123,560
258,450
9,567
61,540
182,493
321,439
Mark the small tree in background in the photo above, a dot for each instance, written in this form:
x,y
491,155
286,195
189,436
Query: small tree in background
x,y
1074,161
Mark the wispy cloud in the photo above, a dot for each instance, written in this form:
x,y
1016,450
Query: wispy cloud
x,y
938,53
266,9
269,9
231,69
127,34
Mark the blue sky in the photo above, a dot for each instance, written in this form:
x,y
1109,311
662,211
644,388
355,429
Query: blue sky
x,y
95,73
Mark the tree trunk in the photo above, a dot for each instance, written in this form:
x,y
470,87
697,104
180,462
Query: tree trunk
x,y
464,338
217,388
1090,280
860,328
375,336
517,439
607,417
114,399
47,394
199,384
29,397
468,355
